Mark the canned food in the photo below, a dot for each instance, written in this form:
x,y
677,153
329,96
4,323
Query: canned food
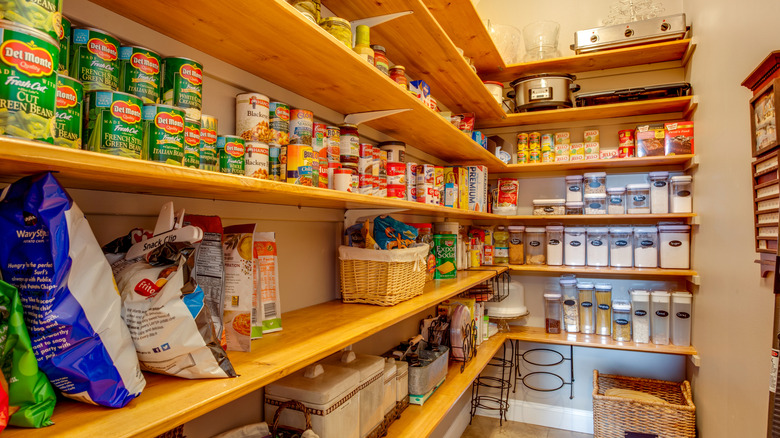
x,y
183,85
28,84
299,164
365,184
366,150
438,184
332,167
398,74
522,140
64,38
253,117
44,16
396,191
70,99
534,156
395,150
283,163
164,133
411,181
534,140
548,156
333,138
626,151
139,73
626,137
308,8
94,59
209,159
522,156
318,140
323,176
279,119
113,124
349,142
230,150
547,141
256,160
301,126
382,187
342,180
274,164
339,28
192,143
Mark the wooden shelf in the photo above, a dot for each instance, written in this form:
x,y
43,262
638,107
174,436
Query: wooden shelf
x,y
673,161
605,271
308,335
312,63
607,59
538,334
595,112
607,218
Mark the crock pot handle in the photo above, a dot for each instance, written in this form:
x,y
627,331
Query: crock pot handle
x,y
574,87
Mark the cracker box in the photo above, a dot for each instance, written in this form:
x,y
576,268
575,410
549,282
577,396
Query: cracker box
x,y
478,186
445,249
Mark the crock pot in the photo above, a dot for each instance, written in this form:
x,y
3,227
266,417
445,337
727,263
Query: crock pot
x,y
544,91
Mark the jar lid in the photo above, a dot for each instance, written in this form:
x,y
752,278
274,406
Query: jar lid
x,y
549,201
391,143
378,47
682,178
640,295
347,126
598,230
568,281
336,20
660,296
658,175
662,228
585,285
645,230
552,296
535,230
595,175
516,228
400,67
621,306
621,230
616,190
575,204
500,228
641,186
554,228
493,83
603,286
595,196
575,229
573,178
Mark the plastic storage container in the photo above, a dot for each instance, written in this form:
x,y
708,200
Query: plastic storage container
x,y
551,207
595,203
681,318
646,247
571,317
638,198
598,246
554,245
616,200
674,242
516,244
659,306
659,192
535,245
574,246
389,386
621,247
575,207
587,297
603,309
552,313
371,369
501,245
682,194
640,308
573,188
594,182
621,321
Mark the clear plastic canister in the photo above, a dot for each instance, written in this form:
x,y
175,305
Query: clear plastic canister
x,y
621,247
571,317
595,203
659,306
598,246
646,247
616,200
640,308
574,246
501,245
659,192
638,198
603,308
574,207
595,182
682,194
573,188
621,321
552,313
681,318
674,243
516,244
535,244
585,290
554,245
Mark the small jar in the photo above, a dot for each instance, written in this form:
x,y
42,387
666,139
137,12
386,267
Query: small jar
x,y
339,28
646,247
554,245
501,245
571,317
587,297
659,192
621,321
534,251
598,246
660,307
638,198
551,207
674,242
574,246
380,59
516,244
640,308
621,248
349,144
573,188
595,203
574,207
398,74
595,182
616,200
682,194
603,309
552,313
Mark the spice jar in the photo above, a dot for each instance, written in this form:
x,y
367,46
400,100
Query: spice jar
x,y
501,245
380,59
534,252
682,194
616,200
621,321
638,198
516,253
552,313
603,308
621,247
659,192
571,317
554,245
640,307
574,207
309,8
398,74
339,28
597,252
573,188
646,247
574,244
594,182
659,305
585,290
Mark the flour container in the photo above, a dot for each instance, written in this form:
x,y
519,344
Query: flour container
x,y
535,246
603,308
571,317
329,392
554,245
390,386
682,194
674,243
659,192
616,200
574,246
659,306
681,318
585,290
598,246
621,247
646,247
638,198
640,309
371,394
573,188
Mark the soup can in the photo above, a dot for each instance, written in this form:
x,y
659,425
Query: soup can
x,y
396,150
44,16
95,59
283,163
274,164
256,160
299,162
279,119
323,177
396,173
140,73
333,138
332,167
382,193
70,99
319,139
65,38
209,159
301,126
395,191
192,143
164,133
230,149
253,117
183,85
411,181
113,124
342,180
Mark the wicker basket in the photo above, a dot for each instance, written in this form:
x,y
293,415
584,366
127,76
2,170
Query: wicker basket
x,y
614,416
383,278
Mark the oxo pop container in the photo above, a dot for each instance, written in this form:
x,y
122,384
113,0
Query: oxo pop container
x,y
587,298
621,321
571,318
638,198
554,245
681,318
575,207
594,182
646,247
603,309
598,246
371,394
674,243
595,203
659,306
621,247
682,194
640,308
331,394
552,313
616,200
573,188
574,246
659,192
535,243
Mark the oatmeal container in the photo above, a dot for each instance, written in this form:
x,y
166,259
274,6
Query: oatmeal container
x,y
660,307
616,200
646,247
534,251
597,252
659,192
638,198
682,194
574,246
640,309
621,321
573,188
595,203
621,247
594,182
554,245
571,317
549,207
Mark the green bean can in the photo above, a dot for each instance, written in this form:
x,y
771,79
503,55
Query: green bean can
x,y
113,123
42,15
192,143
95,59
28,82
70,100
183,85
230,149
65,37
164,133
209,160
140,73
274,164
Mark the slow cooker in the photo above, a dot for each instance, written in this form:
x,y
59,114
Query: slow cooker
x,y
544,91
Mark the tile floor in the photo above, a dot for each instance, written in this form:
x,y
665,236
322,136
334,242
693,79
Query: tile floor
x,y
484,427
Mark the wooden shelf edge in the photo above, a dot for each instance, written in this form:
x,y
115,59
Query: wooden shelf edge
x,y
684,161
608,271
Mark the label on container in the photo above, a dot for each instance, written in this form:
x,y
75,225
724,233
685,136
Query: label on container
x,y
575,243
596,242
574,188
554,242
660,184
662,313
621,321
621,242
615,200
640,313
534,243
683,193
586,304
570,302
675,243
603,306
683,315
646,243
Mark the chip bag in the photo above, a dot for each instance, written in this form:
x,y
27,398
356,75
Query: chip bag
x,y
393,234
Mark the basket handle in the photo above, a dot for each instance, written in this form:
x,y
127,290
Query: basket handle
x,y
294,405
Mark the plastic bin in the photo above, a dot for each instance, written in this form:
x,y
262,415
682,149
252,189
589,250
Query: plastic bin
x,y
587,298
554,245
571,317
535,245
659,306
640,308
681,318
659,192
598,246
552,313
574,246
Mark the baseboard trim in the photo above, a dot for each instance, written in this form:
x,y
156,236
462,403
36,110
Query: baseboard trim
x,y
559,417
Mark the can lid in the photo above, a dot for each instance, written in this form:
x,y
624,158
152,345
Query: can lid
x,y
595,175
621,230
575,204
347,125
603,286
573,178
616,190
552,296
378,47
641,186
549,201
400,67
682,178
535,230
598,230
645,230
575,229
658,175
585,285
662,228
554,228
493,83
516,228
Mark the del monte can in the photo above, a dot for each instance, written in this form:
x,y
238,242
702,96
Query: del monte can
x,y
183,85
42,15
209,160
94,59
192,143
231,154
70,99
28,82
65,37
113,123
164,133
140,73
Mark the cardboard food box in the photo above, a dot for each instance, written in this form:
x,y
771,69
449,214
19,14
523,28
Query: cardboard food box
x,y
650,140
678,138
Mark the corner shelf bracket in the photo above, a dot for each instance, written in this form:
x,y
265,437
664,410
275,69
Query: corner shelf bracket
x,y
695,280
696,360
358,118
375,21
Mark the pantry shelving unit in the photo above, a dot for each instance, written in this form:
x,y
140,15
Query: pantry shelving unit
x,y
636,164
690,218
603,271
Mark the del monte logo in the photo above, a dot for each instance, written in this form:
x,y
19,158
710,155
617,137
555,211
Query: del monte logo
x,y
127,112
192,74
147,64
66,97
102,49
209,136
170,123
191,135
234,149
28,59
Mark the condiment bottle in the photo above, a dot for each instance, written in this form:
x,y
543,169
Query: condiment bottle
x,y
363,45
380,59
398,74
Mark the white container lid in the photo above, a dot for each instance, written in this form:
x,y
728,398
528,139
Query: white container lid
x,y
621,306
682,297
575,229
640,295
535,230
554,227
645,230
575,204
573,178
682,178
516,228
594,175
674,228
316,384
368,366
658,175
660,296
595,196
598,230
585,285
549,201
552,296
641,186
616,190
390,368
603,286
621,230
568,281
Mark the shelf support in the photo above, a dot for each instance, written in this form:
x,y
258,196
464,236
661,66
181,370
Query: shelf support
x,y
696,360
358,118
375,21
691,107
351,217
695,280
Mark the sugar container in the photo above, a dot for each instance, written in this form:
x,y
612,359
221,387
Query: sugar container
x,y
638,198
552,313
516,244
681,318
535,245
674,243
574,246
616,200
603,308
621,247
682,194
585,290
598,246
554,245
571,318
573,188
646,247
659,306
621,321
595,203
594,182
574,207
659,192
640,307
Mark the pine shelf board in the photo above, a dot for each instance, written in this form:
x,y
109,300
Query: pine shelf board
x,y
606,218
606,271
310,62
309,334
672,161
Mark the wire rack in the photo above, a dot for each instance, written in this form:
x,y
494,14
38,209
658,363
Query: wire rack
x,y
440,333
493,290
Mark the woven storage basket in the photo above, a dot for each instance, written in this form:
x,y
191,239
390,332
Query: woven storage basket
x,y
614,416
383,278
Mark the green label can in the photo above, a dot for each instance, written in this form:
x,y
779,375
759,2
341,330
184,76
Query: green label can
x,y
70,99
183,85
164,133
94,59
28,82
42,15
274,164
192,143
65,37
231,154
139,73
208,143
113,123
279,114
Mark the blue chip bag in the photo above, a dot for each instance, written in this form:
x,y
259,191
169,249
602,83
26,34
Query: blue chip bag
x,y
71,304
393,234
